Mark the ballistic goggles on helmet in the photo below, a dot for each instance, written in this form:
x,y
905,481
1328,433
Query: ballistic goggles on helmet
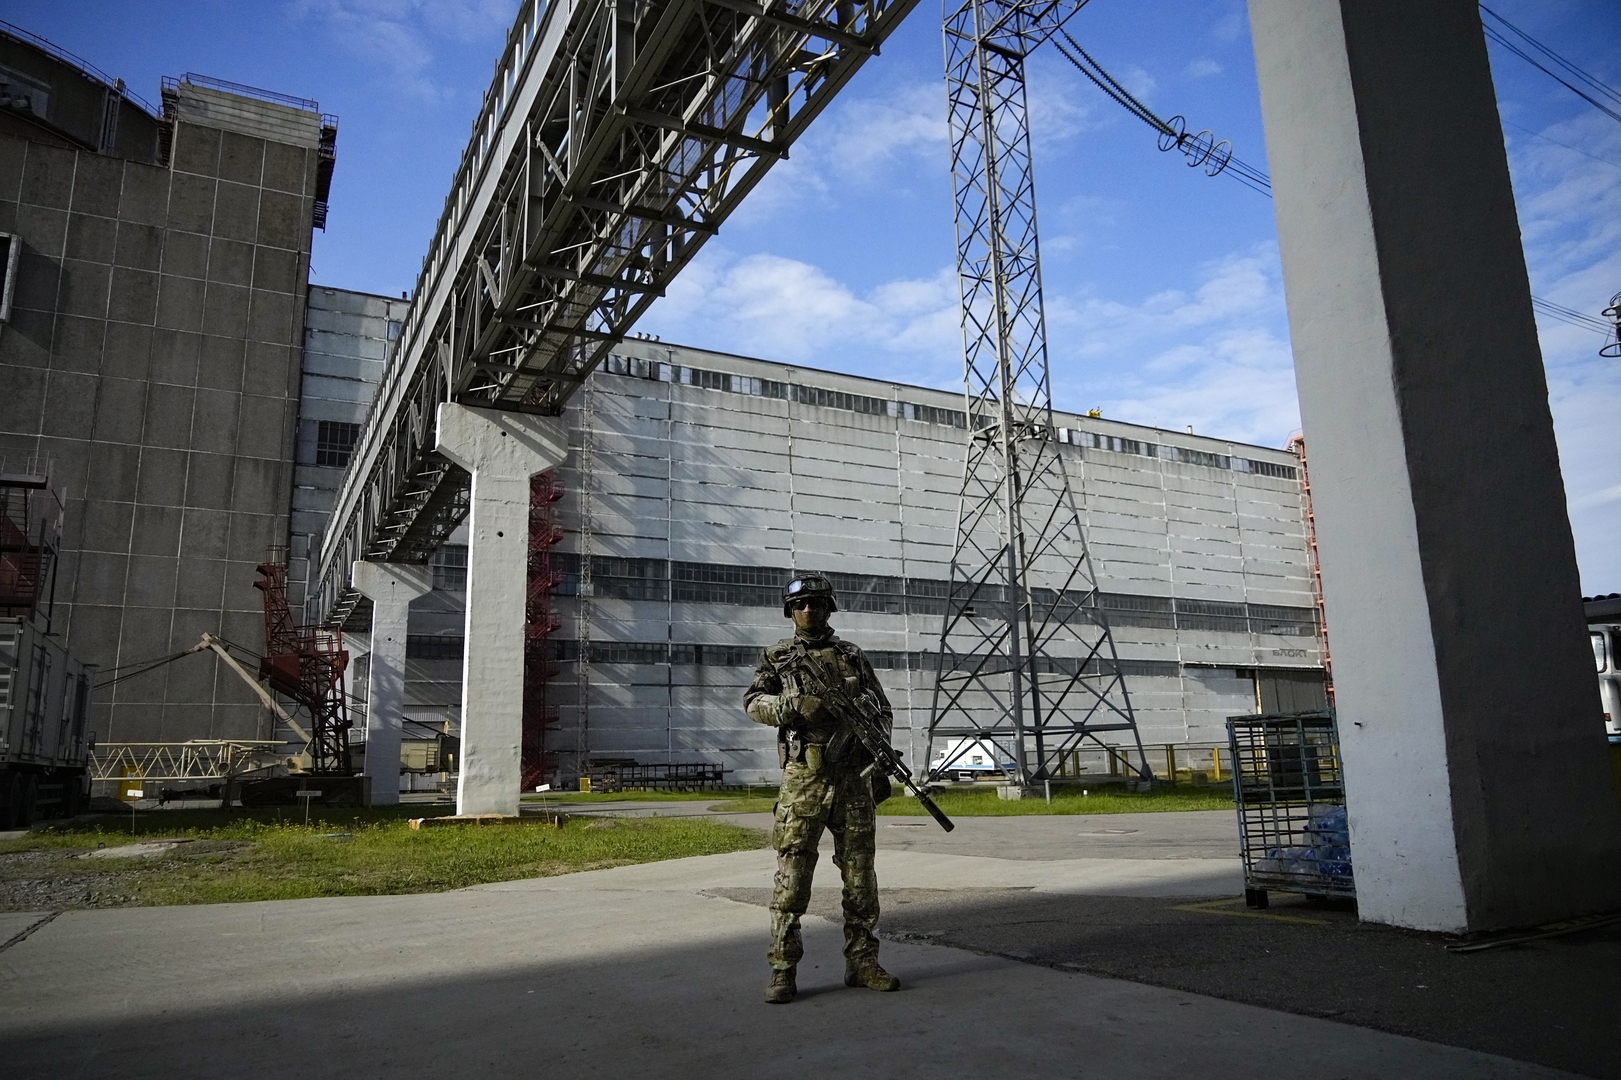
x,y
807,587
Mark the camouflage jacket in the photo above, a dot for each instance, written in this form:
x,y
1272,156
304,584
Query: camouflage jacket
x,y
770,700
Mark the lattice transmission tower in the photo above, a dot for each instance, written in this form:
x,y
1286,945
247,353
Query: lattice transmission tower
x,y
1027,666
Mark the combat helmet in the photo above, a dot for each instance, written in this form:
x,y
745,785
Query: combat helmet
x,y
808,587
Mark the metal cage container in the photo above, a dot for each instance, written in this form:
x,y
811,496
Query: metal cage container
x,y
1290,794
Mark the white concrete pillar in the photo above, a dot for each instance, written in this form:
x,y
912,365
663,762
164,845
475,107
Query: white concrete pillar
x,y
502,450
390,587
1478,789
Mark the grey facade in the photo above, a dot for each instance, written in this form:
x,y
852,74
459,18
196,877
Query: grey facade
x,y
699,481
153,354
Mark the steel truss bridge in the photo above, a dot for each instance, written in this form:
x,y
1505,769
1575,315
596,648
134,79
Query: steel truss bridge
x,y
615,138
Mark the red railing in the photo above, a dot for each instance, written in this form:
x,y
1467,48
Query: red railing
x,y
1298,445
540,623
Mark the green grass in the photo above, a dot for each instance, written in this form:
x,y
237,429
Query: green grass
x,y
1109,799
746,806
564,798
981,802
361,853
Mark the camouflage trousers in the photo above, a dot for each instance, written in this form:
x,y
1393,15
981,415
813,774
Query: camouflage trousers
x,y
838,799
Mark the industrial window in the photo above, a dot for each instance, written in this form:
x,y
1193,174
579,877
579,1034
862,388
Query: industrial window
x,y
11,247
394,328
1212,615
716,655
335,442
1127,609
870,592
837,399
434,646
1266,468
712,583
630,652
449,566
1196,457
747,656
630,579
928,414
1288,621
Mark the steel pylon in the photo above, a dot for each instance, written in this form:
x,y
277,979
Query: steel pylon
x,y
1027,666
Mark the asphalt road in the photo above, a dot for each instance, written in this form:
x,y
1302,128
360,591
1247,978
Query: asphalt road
x,y
1052,945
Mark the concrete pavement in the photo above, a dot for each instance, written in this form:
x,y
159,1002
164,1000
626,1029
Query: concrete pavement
x,y
646,970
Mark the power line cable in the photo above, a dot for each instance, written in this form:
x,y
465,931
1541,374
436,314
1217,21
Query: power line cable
x,y
1592,83
1571,316
1172,135
1567,146
1201,149
141,669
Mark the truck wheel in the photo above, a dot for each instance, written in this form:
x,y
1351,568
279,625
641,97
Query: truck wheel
x,y
72,795
24,792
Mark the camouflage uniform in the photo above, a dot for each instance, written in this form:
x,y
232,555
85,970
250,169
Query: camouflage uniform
x,y
817,794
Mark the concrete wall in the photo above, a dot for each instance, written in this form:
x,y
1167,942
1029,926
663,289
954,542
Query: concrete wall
x,y
153,353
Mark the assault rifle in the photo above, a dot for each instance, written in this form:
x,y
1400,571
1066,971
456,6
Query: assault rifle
x,y
864,720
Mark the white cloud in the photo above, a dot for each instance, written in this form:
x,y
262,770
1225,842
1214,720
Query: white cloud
x,y
1202,68
399,36
1213,356
1570,218
791,311
1137,80
1597,498
860,145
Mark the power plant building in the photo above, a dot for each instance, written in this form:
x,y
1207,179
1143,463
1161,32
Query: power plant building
x,y
698,482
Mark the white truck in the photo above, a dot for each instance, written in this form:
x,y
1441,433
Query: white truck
x,y
1604,631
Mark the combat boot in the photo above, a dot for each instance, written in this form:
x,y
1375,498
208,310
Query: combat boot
x,y
781,989
867,973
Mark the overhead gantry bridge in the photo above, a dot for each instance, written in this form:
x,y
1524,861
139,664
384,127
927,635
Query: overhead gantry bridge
x,y
615,139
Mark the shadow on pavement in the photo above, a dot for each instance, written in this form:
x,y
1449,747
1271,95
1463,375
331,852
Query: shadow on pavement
x,y
1552,1002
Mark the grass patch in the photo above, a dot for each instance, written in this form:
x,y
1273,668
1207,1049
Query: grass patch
x,y
359,853
565,798
1111,799
756,805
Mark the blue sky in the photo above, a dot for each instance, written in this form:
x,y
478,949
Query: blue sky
x,y
1164,302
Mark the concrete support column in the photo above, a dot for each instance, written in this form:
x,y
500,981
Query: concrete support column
x,y
390,587
502,450
1474,754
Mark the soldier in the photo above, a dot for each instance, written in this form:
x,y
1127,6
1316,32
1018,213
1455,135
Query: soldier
x,y
822,786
